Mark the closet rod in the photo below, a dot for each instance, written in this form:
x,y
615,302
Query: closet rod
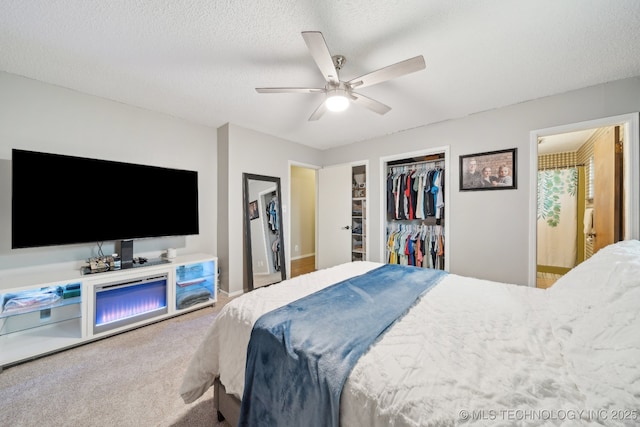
x,y
423,162
561,167
417,159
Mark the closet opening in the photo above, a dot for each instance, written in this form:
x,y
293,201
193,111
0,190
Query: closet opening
x,y
414,217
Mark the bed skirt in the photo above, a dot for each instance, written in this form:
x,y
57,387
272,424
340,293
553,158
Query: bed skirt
x,y
227,405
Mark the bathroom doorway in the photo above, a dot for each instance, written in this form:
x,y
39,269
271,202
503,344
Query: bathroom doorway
x,y
584,193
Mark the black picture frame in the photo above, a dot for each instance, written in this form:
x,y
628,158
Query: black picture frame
x,y
253,210
496,161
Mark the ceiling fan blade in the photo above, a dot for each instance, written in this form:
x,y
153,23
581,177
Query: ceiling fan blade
x,y
289,90
320,53
322,108
371,104
390,72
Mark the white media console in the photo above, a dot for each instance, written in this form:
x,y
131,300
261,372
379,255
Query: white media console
x,y
47,311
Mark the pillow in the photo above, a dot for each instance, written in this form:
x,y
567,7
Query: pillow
x,y
602,276
596,314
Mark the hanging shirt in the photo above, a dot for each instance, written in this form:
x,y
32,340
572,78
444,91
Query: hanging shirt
x,y
440,195
419,188
390,197
273,214
429,202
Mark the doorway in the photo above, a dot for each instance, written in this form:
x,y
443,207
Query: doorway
x,y
302,219
567,193
584,193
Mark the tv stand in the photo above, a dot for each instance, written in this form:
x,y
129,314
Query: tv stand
x,y
55,310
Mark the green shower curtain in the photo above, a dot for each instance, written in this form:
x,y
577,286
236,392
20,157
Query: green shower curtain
x,y
557,215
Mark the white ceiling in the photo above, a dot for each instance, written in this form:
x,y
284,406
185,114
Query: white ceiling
x,y
201,59
564,142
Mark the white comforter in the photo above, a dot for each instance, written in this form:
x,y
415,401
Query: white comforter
x,y
473,351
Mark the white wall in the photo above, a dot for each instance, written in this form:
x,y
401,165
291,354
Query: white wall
x,y
222,207
254,152
488,229
42,117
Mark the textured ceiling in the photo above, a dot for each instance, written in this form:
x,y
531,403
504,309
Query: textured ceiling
x,y
564,142
201,59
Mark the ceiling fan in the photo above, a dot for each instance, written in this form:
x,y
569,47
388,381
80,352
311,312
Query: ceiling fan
x,y
340,93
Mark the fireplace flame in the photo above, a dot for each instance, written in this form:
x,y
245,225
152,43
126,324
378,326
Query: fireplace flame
x,y
129,308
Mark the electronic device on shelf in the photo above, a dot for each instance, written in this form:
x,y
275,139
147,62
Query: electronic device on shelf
x,y
102,263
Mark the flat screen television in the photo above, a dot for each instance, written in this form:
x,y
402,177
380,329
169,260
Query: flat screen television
x,y
60,200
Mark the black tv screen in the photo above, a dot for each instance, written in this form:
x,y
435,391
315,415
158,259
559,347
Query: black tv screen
x,y
60,200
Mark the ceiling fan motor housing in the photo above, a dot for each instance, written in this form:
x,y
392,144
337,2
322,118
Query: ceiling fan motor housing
x,y
339,61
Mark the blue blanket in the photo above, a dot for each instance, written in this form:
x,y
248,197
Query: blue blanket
x,y
300,355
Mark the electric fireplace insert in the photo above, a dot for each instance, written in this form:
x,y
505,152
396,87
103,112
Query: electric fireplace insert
x,y
124,303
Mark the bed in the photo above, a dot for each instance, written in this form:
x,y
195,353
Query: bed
x,y
468,351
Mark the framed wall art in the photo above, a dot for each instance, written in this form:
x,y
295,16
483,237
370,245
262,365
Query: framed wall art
x,y
492,170
253,210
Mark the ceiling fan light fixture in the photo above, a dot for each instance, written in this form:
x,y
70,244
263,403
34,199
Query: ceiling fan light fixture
x,y
337,100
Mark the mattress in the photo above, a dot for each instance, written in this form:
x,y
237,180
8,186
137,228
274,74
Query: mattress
x,y
472,351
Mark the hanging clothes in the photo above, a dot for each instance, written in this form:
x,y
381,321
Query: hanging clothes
x,y
275,249
272,214
416,193
416,245
415,197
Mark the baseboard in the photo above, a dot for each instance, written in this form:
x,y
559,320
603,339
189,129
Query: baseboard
x,y
303,256
231,294
552,269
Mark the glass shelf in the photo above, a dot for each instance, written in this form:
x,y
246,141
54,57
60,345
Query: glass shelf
x,y
195,284
39,306
48,306
155,261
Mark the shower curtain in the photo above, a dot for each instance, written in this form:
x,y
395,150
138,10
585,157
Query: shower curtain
x,y
557,217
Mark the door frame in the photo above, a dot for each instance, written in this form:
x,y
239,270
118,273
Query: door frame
x,y
631,175
447,206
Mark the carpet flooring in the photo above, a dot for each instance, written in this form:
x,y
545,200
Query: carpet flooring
x,y
130,379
